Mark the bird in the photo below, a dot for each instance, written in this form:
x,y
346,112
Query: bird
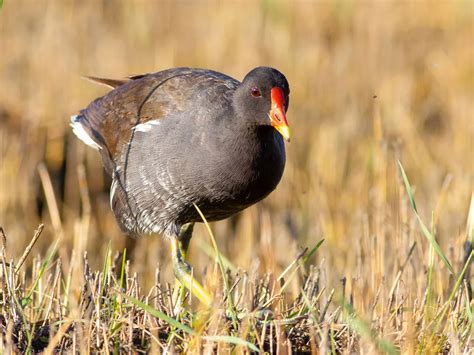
x,y
183,138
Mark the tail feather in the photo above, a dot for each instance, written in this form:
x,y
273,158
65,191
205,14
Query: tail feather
x,y
80,131
111,83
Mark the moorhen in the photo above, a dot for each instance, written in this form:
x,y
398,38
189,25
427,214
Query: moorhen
x,y
184,137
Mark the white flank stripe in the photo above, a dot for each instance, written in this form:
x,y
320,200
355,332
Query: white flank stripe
x,y
145,127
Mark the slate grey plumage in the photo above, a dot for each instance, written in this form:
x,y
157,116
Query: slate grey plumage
x,y
186,136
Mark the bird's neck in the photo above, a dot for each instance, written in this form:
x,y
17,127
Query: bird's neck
x,y
248,134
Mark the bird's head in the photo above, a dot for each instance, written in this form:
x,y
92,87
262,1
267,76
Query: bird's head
x,y
263,96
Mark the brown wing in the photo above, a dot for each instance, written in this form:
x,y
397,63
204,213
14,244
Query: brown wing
x,y
110,119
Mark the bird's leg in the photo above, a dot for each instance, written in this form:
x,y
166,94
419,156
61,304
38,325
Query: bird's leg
x,y
184,238
182,270
185,235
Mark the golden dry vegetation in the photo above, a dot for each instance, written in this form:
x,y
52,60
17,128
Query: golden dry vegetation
x,y
371,83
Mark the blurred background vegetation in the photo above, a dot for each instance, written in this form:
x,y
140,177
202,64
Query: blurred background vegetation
x,y
371,82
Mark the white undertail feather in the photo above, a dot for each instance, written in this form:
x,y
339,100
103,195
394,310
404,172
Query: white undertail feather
x,y
81,133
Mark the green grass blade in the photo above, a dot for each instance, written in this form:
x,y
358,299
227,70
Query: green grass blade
x,y
454,290
363,329
42,269
469,314
160,315
470,221
424,229
314,250
407,186
209,250
173,322
230,307
106,267
288,280
122,270
214,243
231,340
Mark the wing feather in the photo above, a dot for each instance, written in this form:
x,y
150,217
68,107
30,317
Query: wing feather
x,y
110,119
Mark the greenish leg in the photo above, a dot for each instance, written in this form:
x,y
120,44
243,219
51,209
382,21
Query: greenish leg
x,y
182,270
184,238
185,235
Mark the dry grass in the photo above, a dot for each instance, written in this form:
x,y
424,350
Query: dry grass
x,y
371,83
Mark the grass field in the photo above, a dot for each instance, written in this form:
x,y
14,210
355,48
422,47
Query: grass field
x,y
339,259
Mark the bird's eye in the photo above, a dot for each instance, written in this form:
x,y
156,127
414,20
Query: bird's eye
x,y
255,92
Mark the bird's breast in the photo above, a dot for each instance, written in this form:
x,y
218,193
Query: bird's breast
x,y
249,170
165,177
